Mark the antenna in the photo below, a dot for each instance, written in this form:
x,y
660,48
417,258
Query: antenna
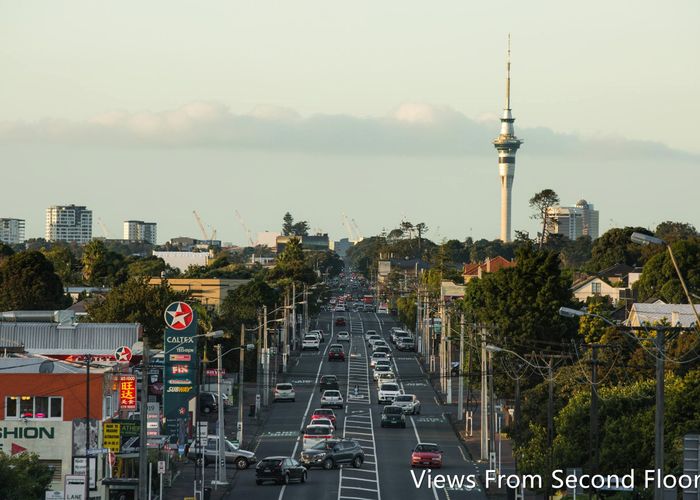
x,y
508,75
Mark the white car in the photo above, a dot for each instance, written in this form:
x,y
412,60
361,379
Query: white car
x,y
372,339
323,421
343,336
379,369
383,362
319,335
385,377
369,333
314,434
340,308
375,357
379,343
310,342
331,397
284,392
388,392
383,309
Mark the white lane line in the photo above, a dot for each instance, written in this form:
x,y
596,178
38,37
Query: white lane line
x,y
348,478
360,470
415,430
361,489
352,498
462,452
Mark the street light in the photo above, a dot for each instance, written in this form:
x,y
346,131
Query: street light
x,y
568,312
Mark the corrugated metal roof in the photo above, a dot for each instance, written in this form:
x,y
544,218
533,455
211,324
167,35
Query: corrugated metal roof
x,y
642,313
32,364
44,338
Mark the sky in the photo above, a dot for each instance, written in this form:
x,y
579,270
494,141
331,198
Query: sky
x,y
379,110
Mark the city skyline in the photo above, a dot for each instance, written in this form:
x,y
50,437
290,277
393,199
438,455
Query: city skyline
x,y
605,103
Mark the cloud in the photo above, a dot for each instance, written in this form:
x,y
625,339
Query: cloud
x,y
412,129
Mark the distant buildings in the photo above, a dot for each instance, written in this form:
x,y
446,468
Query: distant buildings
x,y
614,282
341,247
183,260
267,239
138,230
208,291
69,223
572,222
318,242
11,231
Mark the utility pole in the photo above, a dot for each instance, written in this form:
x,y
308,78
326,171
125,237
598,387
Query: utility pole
x,y
88,359
492,416
417,330
294,312
659,417
221,462
484,398
460,401
448,359
241,371
143,437
258,378
285,332
266,362
306,308
594,410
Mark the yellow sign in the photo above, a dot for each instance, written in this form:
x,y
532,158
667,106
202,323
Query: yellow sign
x,y
111,436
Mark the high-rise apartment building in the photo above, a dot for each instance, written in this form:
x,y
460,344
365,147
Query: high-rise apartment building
x,y
572,222
69,223
11,231
138,230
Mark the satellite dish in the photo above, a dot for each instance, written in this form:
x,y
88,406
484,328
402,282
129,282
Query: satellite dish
x,y
46,367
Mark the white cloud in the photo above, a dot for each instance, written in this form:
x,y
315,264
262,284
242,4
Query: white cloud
x,y
412,129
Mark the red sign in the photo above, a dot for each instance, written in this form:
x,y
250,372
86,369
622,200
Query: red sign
x,y
127,392
213,372
123,353
181,369
178,315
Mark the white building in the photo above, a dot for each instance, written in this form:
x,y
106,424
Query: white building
x,y
183,260
11,231
70,223
267,239
138,230
572,222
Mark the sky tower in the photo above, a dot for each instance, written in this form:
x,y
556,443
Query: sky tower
x,y
507,145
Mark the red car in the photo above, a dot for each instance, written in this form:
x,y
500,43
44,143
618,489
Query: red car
x,y
336,353
323,413
426,455
340,321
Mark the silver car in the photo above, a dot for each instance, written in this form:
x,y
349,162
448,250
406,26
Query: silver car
x,y
234,455
409,403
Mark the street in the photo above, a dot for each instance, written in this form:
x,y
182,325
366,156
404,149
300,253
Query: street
x,y
386,472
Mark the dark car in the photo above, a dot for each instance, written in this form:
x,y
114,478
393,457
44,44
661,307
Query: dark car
x,y
340,321
333,452
392,416
336,353
329,382
281,470
208,402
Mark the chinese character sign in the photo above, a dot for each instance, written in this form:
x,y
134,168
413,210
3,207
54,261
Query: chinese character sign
x,y
127,392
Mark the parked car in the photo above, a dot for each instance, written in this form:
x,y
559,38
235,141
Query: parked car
x,y
281,470
324,413
409,403
336,353
284,392
343,336
427,455
387,392
333,452
310,342
340,321
331,398
392,416
234,455
313,434
328,382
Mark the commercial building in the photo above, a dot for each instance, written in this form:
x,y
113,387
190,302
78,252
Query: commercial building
x,y
69,223
267,239
572,222
183,260
209,291
138,230
11,231
341,247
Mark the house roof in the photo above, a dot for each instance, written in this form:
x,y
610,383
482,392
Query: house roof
x,y
642,313
490,265
620,269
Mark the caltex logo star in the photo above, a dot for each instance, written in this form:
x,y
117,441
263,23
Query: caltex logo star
x,y
178,315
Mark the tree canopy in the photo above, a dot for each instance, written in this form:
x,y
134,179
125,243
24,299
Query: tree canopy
x,y
659,278
28,282
24,476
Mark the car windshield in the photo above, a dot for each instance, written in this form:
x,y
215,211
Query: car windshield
x,y
333,394
323,412
390,387
336,349
392,410
323,421
324,445
404,398
379,355
374,337
269,462
310,337
284,387
429,448
328,378
382,368
320,430
383,350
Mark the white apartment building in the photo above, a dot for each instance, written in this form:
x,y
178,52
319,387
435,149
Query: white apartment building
x,y
572,222
138,230
11,231
69,223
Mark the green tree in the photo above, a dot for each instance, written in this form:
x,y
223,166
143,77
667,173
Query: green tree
x,y
101,266
326,262
135,301
287,224
243,304
291,265
24,476
64,262
421,228
28,282
148,266
5,251
659,278
542,202
616,247
301,228
406,307
673,231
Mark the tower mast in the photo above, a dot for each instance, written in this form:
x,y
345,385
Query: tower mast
x,y
507,145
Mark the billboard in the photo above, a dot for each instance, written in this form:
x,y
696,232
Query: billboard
x,y
180,370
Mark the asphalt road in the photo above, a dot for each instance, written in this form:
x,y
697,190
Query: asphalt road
x,y
386,473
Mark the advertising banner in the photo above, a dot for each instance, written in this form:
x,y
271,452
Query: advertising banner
x,y
127,392
180,373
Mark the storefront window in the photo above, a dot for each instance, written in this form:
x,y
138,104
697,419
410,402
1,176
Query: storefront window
x,y
33,407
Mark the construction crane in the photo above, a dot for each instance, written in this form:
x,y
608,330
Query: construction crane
x,y
105,231
209,238
240,220
358,234
346,223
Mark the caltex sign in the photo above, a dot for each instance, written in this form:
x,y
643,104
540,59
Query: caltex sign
x,y
180,348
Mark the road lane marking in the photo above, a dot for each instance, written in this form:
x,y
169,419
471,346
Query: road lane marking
x,y
415,430
462,452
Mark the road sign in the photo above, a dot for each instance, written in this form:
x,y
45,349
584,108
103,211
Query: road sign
x,y
123,354
161,466
74,487
111,436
